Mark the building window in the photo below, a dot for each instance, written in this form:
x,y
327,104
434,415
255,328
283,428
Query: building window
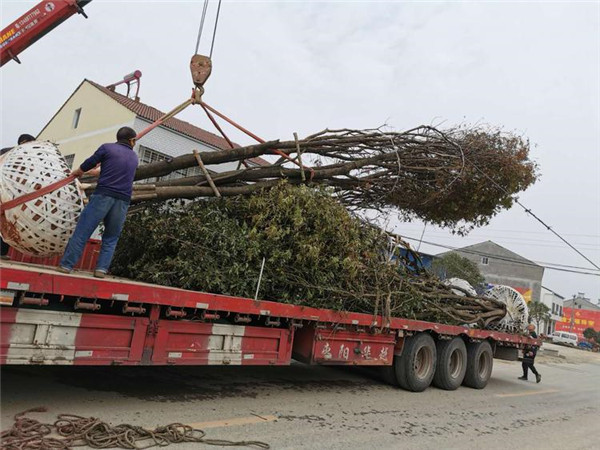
x,y
69,159
76,117
484,260
148,156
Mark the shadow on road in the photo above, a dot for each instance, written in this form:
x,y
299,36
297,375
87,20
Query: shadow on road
x,y
176,384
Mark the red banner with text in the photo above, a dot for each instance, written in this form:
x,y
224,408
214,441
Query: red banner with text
x,y
575,321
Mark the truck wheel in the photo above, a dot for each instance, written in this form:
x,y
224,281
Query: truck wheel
x,y
415,367
451,364
480,360
388,375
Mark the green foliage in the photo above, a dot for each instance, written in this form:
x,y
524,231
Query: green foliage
x,y
538,312
314,250
590,334
453,265
496,167
316,254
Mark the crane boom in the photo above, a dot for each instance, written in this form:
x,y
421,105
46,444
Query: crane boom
x,y
34,24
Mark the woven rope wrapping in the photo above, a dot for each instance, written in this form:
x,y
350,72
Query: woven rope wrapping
x,y
517,313
40,227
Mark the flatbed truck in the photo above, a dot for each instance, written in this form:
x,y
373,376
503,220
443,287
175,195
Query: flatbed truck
x,y
51,318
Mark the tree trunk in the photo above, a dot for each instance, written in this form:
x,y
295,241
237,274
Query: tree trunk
x,y
161,168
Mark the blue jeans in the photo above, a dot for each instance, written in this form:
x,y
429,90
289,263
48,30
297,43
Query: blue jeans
x,y
100,208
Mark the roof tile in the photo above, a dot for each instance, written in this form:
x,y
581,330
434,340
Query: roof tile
x,y
152,114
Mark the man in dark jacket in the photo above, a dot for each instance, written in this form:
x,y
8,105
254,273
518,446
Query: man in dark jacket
x,y
108,203
529,353
24,138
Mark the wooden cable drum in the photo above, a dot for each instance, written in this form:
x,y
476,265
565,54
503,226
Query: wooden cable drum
x,y
41,226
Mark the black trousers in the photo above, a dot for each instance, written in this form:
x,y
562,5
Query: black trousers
x,y
528,364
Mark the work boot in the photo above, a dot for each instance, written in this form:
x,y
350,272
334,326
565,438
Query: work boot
x,y
62,269
99,273
523,378
538,378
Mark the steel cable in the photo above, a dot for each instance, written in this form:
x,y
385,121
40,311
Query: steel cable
x,y
215,30
201,27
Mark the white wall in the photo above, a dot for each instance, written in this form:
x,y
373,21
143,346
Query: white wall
x,y
169,142
554,302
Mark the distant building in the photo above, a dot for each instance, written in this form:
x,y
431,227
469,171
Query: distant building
x,y
555,303
92,115
580,301
499,265
579,313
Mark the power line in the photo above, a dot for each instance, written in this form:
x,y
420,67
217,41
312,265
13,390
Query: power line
x,y
530,212
474,240
549,228
520,232
512,260
537,263
512,239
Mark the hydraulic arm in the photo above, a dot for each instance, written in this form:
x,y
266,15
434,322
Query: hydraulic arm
x,y
34,24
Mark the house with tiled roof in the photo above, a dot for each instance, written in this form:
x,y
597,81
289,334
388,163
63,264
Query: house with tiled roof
x,y
93,113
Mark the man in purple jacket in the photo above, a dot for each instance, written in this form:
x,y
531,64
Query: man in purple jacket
x,y
108,203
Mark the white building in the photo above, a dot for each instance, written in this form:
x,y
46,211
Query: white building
x,y
93,113
556,303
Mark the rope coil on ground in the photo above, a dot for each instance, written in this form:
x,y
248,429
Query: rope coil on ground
x,y
77,431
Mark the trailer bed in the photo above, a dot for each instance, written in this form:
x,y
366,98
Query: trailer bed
x,y
48,317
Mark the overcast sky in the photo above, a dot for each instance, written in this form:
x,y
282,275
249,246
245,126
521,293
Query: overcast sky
x,y
281,67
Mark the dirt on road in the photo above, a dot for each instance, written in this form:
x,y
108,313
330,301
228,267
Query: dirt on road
x,y
569,355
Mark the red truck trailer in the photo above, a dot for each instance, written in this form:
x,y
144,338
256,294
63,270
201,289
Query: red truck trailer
x,y
47,317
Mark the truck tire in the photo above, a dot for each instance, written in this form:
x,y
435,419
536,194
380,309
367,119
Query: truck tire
x,y
415,367
451,364
388,375
480,360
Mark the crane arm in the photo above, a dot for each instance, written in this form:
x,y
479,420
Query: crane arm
x,y
34,24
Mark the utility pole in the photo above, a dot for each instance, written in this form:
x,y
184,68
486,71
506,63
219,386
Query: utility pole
x,y
572,314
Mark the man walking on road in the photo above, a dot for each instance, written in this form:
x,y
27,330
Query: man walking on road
x,y
108,203
529,353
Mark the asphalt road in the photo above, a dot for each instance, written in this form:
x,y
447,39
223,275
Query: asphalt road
x,y
319,407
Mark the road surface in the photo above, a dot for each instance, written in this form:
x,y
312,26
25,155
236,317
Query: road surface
x,y
321,407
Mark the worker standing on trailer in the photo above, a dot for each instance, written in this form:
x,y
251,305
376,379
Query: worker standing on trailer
x,y
529,353
109,202
24,138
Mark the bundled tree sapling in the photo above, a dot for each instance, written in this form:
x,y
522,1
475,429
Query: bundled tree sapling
x,y
316,254
458,178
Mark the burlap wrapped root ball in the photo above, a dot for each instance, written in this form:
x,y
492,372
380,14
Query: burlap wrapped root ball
x,y
43,226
